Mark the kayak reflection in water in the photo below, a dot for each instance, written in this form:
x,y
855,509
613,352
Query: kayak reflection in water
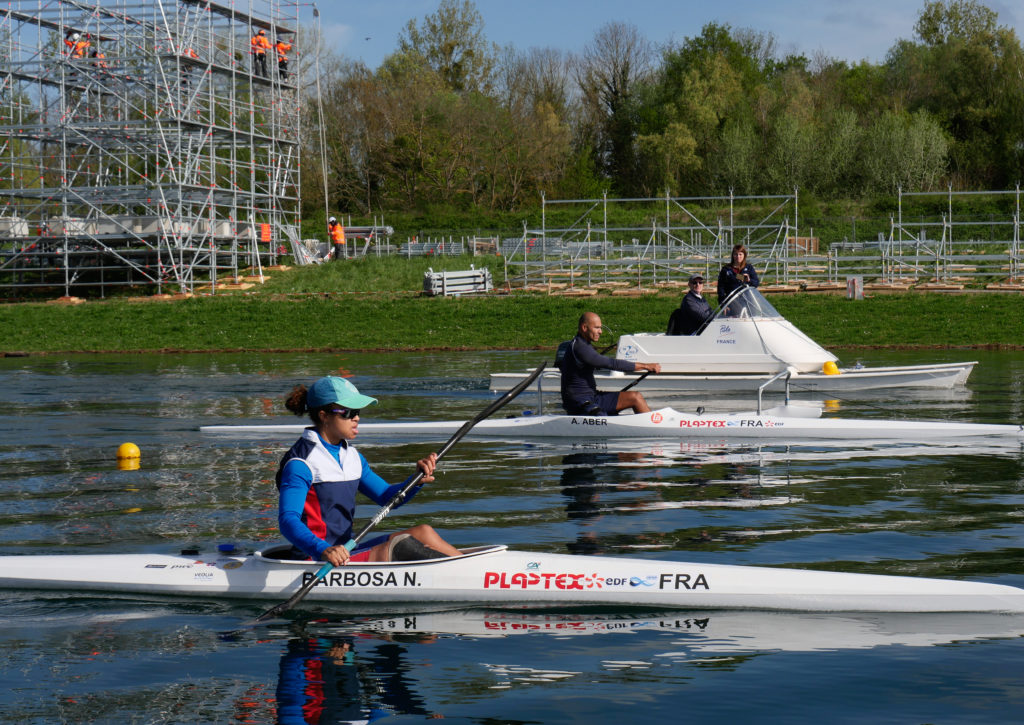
x,y
321,680
319,476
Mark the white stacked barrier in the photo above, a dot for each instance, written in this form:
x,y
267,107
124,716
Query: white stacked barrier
x,y
471,281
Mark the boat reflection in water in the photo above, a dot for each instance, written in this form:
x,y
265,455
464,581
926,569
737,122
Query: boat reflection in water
x,y
321,680
598,483
714,632
370,657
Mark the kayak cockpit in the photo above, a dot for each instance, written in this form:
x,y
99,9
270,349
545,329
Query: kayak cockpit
x,y
284,555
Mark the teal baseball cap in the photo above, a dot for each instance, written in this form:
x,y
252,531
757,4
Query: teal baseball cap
x,y
336,390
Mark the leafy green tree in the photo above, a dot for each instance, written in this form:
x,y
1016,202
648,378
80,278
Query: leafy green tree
x,y
736,166
942,22
451,42
689,140
903,150
610,73
966,71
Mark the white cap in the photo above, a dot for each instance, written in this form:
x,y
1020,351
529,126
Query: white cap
x,y
75,36
332,220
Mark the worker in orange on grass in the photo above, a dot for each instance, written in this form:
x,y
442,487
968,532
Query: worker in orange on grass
x,y
282,49
337,234
260,46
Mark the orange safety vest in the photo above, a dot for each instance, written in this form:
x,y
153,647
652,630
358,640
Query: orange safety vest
x,y
260,44
337,233
282,47
78,47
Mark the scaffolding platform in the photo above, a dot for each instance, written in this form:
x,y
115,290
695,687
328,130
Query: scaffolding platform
x,y
150,154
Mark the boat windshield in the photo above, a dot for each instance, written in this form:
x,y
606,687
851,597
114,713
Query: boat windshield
x,y
747,302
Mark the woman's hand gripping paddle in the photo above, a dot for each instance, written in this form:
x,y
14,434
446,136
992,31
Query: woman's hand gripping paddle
x,y
279,609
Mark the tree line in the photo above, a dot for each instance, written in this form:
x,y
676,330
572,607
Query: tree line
x,y
451,121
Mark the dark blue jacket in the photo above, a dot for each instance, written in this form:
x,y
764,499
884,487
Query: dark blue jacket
x,y
577,366
728,281
692,313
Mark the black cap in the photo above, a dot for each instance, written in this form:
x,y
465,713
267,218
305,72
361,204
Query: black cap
x,y
695,279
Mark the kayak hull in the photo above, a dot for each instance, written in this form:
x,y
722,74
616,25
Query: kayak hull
x,y
791,423
496,576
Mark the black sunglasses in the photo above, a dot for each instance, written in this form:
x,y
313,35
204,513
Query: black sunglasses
x,y
345,413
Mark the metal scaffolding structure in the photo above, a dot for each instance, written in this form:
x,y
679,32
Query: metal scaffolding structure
x,y
681,236
141,145
939,247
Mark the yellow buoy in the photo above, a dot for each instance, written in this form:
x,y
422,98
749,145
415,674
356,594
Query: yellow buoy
x,y
128,456
128,450
830,368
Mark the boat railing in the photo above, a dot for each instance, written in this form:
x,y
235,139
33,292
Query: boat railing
x,y
787,374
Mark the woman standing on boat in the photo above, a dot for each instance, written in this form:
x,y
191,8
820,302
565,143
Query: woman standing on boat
x,y
319,476
738,273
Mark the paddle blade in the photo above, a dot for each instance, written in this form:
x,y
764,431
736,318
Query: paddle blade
x,y
278,609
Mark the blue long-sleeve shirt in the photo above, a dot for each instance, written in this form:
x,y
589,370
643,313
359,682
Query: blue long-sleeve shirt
x,y
318,482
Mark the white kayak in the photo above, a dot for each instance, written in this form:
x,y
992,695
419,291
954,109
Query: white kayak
x,y
788,422
496,576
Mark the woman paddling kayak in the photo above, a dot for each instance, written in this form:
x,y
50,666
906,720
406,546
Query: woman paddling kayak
x,y
319,476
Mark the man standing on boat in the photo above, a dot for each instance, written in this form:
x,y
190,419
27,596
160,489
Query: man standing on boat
x,y
577,359
693,311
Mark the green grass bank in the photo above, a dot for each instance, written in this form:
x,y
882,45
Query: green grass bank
x,y
391,321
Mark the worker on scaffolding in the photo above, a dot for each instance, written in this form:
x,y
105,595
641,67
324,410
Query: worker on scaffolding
x,y
99,62
186,69
260,46
77,45
337,234
98,57
282,47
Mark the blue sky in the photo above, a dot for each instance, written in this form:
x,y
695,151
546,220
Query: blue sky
x,y
851,30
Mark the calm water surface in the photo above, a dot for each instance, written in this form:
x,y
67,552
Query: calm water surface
x,y
909,509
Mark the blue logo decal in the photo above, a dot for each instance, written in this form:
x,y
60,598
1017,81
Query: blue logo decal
x,y
647,581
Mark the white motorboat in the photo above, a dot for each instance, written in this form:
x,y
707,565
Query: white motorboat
x,y
496,576
742,347
791,422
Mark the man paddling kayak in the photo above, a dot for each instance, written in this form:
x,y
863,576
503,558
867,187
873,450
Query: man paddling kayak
x,y
577,359
319,476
